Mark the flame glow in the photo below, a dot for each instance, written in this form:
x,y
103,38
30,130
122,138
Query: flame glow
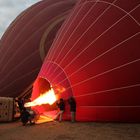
x,y
59,89
46,98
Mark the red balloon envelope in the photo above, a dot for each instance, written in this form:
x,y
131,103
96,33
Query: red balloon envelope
x,y
26,42
96,58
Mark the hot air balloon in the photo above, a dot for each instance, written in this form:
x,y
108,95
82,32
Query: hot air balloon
x,y
26,42
96,59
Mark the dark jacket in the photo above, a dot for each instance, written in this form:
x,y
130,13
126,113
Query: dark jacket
x,y
72,104
61,105
25,116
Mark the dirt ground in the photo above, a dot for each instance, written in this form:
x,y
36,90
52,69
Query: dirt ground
x,y
70,131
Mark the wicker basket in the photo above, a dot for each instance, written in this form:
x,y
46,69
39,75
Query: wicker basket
x,y
6,109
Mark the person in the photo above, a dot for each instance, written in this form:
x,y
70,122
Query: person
x,y
32,117
25,116
61,106
72,104
20,102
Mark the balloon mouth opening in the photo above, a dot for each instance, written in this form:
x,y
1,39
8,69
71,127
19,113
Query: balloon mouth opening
x,y
45,95
44,85
43,100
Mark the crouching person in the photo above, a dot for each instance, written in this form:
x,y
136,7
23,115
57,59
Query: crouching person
x,y
25,116
32,117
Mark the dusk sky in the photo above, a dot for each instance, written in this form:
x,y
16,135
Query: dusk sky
x,y
10,9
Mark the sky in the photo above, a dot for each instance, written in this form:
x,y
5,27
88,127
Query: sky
x,y
10,9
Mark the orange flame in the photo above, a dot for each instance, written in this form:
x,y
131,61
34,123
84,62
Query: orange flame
x,y
59,89
46,98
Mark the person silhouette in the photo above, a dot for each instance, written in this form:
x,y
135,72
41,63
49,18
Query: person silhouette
x,y
72,104
61,106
